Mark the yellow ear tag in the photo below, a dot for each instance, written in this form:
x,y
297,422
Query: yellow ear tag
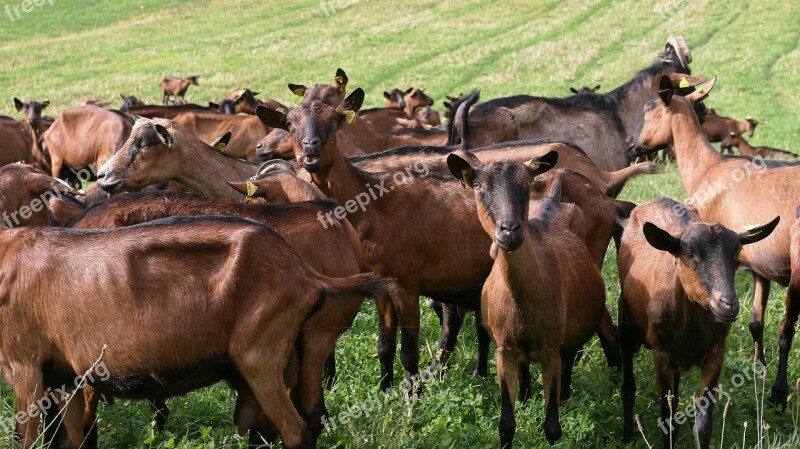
x,y
350,116
464,173
251,189
299,92
684,83
339,80
535,166
220,146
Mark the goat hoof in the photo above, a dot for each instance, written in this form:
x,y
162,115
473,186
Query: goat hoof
x,y
553,433
779,400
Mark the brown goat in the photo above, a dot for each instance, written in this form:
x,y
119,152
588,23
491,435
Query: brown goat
x,y
129,101
167,112
277,182
236,270
544,297
160,150
247,131
716,127
418,109
735,192
678,297
176,87
599,124
35,126
85,136
427,263
246,101
15,142
27,195
736,140
332,251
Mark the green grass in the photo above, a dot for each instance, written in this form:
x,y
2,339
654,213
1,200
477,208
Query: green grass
x,y
71,51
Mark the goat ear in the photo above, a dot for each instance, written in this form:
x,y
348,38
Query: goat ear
x,y
122,96
461,169
758,233
298,89
665,90
542,164
18,104
350,105
386,95
271,117
133,116
596,88
573,90
250,188
701,94
340,79
408,91
661,239
683,81
45,104
164,136
221,142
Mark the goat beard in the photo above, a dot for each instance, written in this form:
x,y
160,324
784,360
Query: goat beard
x,y
493,251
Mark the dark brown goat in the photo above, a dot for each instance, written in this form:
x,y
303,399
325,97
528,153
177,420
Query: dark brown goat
x,y
395,99
735,192
236,270
176,87
129,102
331,250
167,112
85,136
736,140
678,298
544,297
35,126
599,124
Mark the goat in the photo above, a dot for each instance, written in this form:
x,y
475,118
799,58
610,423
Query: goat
x,y
585,90
34,125
225,106
247,131
27,195
678,297
176,87
84,136
167,112
332,251
716,127
277,182
736,140
313,133
544,297
236,270
599,124
752,190
15,142
129,101
246,101
418,108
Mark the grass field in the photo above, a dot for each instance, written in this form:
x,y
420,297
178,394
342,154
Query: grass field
x,y
67,52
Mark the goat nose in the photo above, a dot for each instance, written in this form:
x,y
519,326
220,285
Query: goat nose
x,y
33,122
310,141
509,226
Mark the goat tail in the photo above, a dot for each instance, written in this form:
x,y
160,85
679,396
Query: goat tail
x,y
620,177
361,285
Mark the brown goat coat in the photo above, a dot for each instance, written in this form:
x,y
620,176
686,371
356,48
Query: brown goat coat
x,y
716,128
84,136
247,131
231,288
15,143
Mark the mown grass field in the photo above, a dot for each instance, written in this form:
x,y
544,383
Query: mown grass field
x,y
67,52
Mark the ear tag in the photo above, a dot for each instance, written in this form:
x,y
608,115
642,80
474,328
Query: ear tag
x,y
338,79
464,173
220,146
299,91
251,189
684,83
171,130
535,166
350,117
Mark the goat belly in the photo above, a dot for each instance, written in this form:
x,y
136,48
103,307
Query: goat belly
x,y
169,382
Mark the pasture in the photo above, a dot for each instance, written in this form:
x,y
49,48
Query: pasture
x,y
68,52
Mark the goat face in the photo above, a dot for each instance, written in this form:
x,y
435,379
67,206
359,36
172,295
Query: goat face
x,y
130,101
145,158
706,259
32,111
417,98
394,99
330,94
193,80
502,193
312,128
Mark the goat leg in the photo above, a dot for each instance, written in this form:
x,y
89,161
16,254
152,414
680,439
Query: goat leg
x,y
756,325
551,379
780,389
708,396
387,341
667,379
160,409
524,382
482,363
452,320
507,377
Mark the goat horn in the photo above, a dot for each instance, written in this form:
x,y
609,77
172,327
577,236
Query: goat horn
x,y
678,44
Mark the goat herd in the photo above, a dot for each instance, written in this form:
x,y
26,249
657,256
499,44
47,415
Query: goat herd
x,y
218,269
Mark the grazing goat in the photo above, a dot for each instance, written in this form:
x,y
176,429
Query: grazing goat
x,y
599,124
585,90
678,297
736,140
544,297
84,136
735,192
716,127
176,87
225,276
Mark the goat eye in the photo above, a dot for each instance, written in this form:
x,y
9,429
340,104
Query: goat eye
x,y
476,185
